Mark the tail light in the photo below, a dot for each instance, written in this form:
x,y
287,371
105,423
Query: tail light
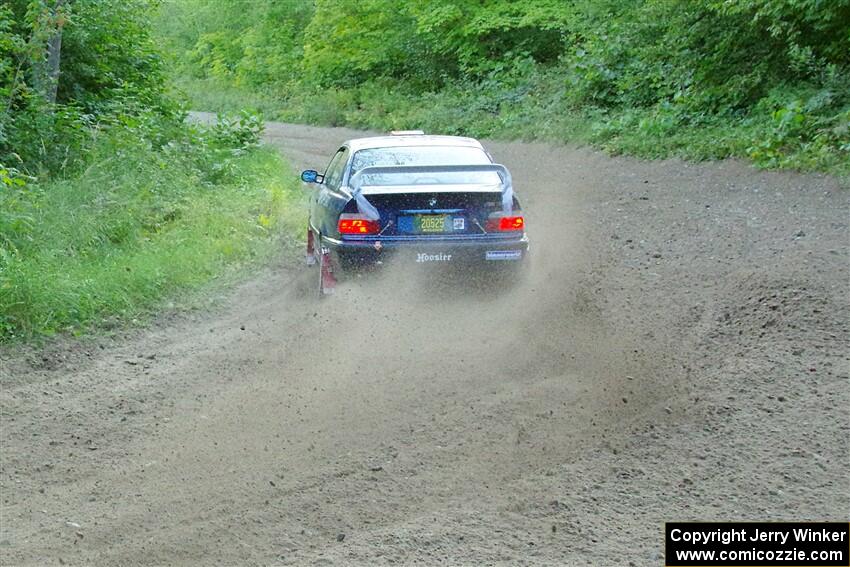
x,y
357,224
499,223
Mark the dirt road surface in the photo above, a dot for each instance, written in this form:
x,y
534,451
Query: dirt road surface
x,y
680,352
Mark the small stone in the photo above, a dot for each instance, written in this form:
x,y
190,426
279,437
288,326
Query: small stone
x,y
625,400
340,537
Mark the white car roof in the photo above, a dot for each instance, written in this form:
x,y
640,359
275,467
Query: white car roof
x,y
411,140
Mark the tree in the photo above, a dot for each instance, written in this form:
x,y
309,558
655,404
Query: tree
x,y
54,52
45,50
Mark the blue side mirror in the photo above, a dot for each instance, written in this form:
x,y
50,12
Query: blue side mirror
x,y
309,175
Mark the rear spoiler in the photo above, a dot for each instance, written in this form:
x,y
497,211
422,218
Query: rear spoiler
x,y
355,184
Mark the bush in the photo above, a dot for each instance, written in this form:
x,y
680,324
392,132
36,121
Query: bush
x,y
139,224
699,79
109,201
109,71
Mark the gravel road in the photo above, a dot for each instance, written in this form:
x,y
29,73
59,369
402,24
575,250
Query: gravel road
x,y
679,352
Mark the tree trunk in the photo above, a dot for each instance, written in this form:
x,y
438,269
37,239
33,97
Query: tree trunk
x,y
54,52
46,74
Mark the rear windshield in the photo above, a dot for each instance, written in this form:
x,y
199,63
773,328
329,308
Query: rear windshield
x,y
424,155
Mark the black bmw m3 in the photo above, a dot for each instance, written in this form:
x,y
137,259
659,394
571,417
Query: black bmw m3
x,y
413,198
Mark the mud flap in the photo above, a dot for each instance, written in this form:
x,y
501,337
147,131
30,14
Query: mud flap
x,y
310,256
327,280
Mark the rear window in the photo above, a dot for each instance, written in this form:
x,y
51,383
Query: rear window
x,y
424,155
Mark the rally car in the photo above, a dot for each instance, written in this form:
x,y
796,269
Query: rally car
x,y
414,198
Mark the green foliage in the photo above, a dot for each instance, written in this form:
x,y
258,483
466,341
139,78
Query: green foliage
x,y
140,224
700,79
109,68
238,133
219,95
428,43
817,28
11,50
109,202
109,58
257,47
359,41
472,36
704,57
802,135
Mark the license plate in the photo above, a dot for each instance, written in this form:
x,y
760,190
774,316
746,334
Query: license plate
x,y
431,223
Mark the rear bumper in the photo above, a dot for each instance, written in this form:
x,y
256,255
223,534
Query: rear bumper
x,y
480,251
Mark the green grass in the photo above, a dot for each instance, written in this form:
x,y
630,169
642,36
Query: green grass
x,y
214,95
537,108
138,226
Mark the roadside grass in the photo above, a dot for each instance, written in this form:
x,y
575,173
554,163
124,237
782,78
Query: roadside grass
x,y
781,133
215,95
139,226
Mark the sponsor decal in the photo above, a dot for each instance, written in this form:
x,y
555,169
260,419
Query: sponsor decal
x,y
432,202
459,223
378,246
440,257
504,254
